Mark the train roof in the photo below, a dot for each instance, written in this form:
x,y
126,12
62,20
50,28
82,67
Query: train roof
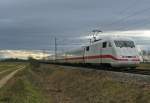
x,y
101,39
112,38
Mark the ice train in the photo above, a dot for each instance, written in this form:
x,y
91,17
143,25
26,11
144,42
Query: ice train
x,y
107,51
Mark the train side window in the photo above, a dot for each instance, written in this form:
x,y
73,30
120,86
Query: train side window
x,y
87,48
109,44
104,44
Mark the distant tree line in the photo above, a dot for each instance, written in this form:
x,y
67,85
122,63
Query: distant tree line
x,y
145,55
13,60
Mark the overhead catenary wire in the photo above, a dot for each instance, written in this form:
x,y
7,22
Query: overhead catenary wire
x,y
129,7
123,27
124,18
129,16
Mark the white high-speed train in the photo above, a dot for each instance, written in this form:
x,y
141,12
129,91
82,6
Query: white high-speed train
x,y
107,51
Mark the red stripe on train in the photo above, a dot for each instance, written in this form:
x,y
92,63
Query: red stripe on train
x,y
100,56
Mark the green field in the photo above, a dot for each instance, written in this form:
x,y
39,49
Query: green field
x,y
40,83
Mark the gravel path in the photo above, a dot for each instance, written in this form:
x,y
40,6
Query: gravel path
x,y
4,71
5,79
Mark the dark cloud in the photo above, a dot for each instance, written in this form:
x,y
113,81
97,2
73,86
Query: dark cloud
x,y
33,24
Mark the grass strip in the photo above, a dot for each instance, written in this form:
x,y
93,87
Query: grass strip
x,y
21,90
54,84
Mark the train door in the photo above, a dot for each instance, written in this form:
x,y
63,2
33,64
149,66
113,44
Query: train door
x,y
106,52
103,52
100,53
96,53
92,54
110,52
86,54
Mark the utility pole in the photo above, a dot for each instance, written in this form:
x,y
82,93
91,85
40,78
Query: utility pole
x,y
43,54
55,48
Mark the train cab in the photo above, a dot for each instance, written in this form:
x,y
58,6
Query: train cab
x,y
126,52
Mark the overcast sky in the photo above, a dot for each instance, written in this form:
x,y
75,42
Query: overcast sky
x,y
33,24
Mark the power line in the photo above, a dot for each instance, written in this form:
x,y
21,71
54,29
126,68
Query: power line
x,y
135,24
55,48
129,7
129,16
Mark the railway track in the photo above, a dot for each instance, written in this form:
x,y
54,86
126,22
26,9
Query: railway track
x,y
142,71
133,71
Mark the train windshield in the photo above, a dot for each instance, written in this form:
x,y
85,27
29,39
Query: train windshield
x,y
124,44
